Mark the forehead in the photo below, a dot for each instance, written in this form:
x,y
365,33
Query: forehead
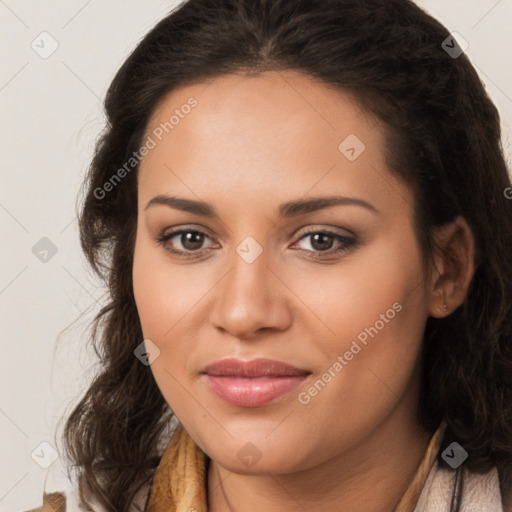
x,y
286,103
270,132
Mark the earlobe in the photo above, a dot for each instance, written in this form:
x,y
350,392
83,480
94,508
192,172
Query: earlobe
x,y
454,267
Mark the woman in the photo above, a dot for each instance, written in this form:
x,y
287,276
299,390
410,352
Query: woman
x,y
301,211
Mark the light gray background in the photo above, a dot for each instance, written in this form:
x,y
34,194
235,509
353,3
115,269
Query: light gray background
x,y
51,115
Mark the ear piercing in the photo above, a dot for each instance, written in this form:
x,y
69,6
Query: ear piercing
x,y
445,307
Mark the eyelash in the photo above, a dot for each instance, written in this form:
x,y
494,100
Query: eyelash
x,y
162,240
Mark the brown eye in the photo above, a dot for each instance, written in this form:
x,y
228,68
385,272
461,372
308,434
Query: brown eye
x,y
184,243
191,240
321,241
324,241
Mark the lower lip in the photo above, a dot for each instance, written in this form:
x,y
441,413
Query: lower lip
x,y
252,392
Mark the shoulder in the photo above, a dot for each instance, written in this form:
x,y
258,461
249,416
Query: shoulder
x,y
76,499
67,500
53,502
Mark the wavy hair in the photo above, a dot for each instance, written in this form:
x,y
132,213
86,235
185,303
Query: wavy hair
x,y
444,140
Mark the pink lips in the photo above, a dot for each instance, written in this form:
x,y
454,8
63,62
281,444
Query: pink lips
x,y
252,383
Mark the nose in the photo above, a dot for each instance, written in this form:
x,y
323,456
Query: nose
x,y
250,299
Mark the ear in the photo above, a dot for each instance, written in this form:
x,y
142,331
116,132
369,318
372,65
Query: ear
x,y
454,267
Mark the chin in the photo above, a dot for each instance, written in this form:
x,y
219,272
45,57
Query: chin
x,y
250,460
261,468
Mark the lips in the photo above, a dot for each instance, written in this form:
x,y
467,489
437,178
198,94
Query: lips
x,y
253,369
252,383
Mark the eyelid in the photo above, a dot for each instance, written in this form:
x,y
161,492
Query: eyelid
x,y
329,229
186,227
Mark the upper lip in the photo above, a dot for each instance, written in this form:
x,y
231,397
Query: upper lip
x,y
252,369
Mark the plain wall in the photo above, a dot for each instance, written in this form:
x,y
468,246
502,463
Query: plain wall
x,y
51,116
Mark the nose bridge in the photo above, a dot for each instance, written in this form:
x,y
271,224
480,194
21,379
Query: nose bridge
x,y
249,260
250,296
248,282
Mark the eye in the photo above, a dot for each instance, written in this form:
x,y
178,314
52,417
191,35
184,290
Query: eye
x,y
191,241
322,242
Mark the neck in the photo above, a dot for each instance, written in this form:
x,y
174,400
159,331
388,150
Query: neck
x,y
371,476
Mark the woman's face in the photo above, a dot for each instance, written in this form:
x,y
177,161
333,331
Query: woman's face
x,y
335,289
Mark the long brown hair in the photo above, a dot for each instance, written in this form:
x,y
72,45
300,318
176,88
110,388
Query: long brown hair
x,y
444,140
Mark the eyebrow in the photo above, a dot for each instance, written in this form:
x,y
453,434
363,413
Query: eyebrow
x,y
286,210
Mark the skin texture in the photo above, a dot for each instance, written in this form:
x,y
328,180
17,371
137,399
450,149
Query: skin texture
x,y
251,144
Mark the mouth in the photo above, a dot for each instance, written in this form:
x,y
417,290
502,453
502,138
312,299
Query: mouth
x,y
253,383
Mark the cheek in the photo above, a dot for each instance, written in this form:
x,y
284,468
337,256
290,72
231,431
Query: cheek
x,y
163,297
375,293
163,292
168,299
377,308
148,286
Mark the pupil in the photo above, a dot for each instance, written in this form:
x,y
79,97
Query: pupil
x,y
321,236
189,239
